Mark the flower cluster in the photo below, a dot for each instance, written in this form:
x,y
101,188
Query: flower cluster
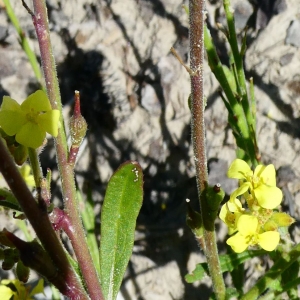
x,y
29,121
258,223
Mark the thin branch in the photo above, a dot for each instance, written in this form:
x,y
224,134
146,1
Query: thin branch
x,y
79,243
68,284
197,17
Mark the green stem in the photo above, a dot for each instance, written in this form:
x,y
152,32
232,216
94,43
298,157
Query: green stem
x,y
35,166
24,41
196,9
238,60
79,243
239,122
271,276
38,217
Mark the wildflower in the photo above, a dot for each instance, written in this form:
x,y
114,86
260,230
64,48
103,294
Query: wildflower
x,y
229,214
261,182
14,289
29,121
248,235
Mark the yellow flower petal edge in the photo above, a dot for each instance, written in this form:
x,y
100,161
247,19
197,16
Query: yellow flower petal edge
x,y
269,240
239,169
49,122
11,121
268,196
37,101
238,243
267,174
230,213
10,104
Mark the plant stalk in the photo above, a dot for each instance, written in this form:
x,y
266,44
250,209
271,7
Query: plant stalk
x,y
40,20
38,217
197,17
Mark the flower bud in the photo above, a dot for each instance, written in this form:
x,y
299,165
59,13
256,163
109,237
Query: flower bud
x,y
78,127
8,264
282,219
22,272
19,152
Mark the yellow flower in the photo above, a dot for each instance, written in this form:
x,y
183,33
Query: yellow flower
x,y
29,121
230,213
261,183
16,290
248,235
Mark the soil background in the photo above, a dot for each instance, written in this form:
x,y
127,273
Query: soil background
x,y
134,97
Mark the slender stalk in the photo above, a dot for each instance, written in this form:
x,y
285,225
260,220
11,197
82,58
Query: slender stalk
x,y
35,166
197,16
238,60
40,20
24,41
69,284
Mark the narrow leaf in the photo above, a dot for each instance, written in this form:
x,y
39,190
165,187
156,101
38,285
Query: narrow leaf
x,y
122,203
8,200
228,263
88,219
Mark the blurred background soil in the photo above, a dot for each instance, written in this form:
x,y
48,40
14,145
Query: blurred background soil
x,y
134,97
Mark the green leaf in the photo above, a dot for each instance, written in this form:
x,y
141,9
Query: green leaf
x,y
199,273
230,78
122,203
8,200
228,263
88,218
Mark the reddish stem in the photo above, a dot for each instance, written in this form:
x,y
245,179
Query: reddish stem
x,y
39,220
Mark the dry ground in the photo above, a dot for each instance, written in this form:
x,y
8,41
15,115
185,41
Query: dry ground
x,y
134,97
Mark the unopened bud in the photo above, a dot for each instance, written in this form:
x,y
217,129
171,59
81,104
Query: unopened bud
x,y
78,125
22,272
282,219
8,264
19,152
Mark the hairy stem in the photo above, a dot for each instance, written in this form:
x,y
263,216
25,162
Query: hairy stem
x,y
35,166
69,284
40,20
197,17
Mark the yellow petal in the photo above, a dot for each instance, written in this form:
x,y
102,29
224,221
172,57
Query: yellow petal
x,y
268,196
10,104
37,102
238,243
39,288
11,121
230,207
31,135
269,240
6,293
268,174
241,190
238,169
49,121
247,225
